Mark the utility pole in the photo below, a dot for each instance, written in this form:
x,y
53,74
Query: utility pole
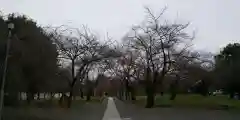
x,y
10,28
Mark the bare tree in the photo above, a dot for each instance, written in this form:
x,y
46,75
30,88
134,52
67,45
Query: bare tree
x,y
159,44
124,68
81,49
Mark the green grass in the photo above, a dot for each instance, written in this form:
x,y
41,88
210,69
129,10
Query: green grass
x,y
78,102
193,101
54,103
40,109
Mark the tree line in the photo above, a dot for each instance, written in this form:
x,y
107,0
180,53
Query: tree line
x,y
155,56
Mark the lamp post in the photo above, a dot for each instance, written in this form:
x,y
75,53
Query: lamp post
x,y
10,28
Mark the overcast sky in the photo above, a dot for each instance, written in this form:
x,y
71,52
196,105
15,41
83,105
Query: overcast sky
x,y
216,22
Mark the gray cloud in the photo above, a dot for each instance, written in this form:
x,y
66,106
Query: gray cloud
x,y
216,22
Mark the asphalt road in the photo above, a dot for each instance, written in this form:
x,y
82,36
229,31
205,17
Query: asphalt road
x,y
137,113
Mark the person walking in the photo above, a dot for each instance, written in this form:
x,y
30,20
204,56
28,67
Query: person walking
x,y
105,95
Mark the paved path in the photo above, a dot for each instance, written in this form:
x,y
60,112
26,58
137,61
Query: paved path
x,y
111,112
138,113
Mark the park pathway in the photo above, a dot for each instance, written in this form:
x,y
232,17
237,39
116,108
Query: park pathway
x,y
111,112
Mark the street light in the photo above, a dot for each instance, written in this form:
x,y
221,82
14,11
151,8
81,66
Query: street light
x,y
10,28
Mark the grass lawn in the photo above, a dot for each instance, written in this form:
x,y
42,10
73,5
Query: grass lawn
x,y
42,103
193,101
47,110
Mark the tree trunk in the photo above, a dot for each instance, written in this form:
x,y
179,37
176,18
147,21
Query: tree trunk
x,y
89,94
150,95
70,98
81,93
38,96
30,97
150,98
20,96
45,96
127,88
231,96
72,84
88,97
149,88
11,99
174,88
173,95
121,94
74,97
133,96
51,96
61,99
126,95
162,93
238,96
